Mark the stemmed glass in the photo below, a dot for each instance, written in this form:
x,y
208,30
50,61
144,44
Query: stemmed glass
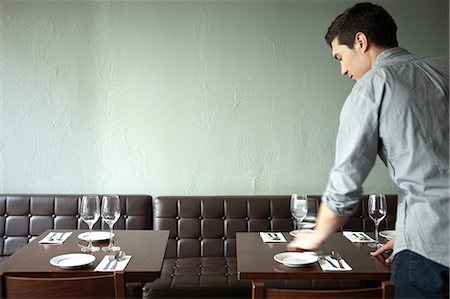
x,y
90,212
299,208
377,210
110,214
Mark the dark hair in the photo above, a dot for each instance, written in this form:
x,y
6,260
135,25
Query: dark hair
x,y
372,20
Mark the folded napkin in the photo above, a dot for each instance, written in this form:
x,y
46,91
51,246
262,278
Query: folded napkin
x,y
111,265
271,237
358,237
55,238
329,264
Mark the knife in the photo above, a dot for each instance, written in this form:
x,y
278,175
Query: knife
x,y
336,256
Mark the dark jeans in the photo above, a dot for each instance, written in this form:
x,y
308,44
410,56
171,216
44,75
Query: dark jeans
x,y
417,277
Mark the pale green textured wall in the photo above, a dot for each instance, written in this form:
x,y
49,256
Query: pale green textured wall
x,y
180,97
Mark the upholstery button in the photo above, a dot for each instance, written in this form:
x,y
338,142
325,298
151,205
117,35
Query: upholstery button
x,y
29,236
77,216
200,217
177,218
200,266
224,238
270,218
53,216
29,215
125,216
200,274
200,238
226,274
223,217
5,236
177,238
246,218
6,215
172,275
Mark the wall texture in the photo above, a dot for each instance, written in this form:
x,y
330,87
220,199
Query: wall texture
x,y
180,97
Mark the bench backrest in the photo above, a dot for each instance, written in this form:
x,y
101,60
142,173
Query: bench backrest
x,y
23,217
202,226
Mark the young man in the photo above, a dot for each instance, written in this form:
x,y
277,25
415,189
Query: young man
x,y
398,109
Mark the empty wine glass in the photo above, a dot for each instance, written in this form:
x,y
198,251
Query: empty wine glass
x,y
377,210
299,208
90,212
110,214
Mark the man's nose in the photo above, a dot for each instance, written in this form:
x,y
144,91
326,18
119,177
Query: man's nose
x,y
344,71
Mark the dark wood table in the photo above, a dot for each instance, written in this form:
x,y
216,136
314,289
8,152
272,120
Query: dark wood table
x,y
255,260
147,248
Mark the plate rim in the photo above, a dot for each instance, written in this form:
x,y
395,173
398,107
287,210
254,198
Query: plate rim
x,y
81,237
314,258
89,259
387,236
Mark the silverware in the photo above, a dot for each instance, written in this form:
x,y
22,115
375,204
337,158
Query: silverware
x,y
363,237
110,260
274,236
119,256
50,238
323,257
61,236
336,256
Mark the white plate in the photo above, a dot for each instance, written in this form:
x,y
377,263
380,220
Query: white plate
x,y
388,234
72,260
295,259
96,236
294,233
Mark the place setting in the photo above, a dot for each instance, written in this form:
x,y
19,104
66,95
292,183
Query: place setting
x,y
55,237
328,262
90,212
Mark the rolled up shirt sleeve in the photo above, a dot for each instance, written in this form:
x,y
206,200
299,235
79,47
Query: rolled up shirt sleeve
x,y
357,145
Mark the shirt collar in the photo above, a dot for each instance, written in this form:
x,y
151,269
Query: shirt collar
x,y
389,54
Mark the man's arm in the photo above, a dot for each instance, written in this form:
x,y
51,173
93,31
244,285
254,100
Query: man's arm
x,y
327,223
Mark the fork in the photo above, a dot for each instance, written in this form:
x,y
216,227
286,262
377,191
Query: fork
x,y
274,236
323,257
336,256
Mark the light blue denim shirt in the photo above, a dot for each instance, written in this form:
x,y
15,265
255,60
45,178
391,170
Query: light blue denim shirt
x,y
399,110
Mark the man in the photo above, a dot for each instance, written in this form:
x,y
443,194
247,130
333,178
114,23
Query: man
x,y
398,109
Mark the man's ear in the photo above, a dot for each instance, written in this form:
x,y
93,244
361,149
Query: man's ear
x,y
361,41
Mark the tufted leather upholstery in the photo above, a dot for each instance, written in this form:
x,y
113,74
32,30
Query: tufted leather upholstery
x,y
200,258
24,217
201,253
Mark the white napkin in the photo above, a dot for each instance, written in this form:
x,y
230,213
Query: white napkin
x,y
271,237
326,263
358,237
107,265
55,238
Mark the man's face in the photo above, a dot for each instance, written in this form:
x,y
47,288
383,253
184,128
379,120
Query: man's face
x,y
355,63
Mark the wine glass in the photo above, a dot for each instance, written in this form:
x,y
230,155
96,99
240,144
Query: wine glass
x,y
299,209
90,212
377,210
110,214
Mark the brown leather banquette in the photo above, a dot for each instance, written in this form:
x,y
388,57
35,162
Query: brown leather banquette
x,y
23,217
201,253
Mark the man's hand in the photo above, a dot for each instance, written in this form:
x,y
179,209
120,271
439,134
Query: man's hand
x,y
327,223
389,246
306,240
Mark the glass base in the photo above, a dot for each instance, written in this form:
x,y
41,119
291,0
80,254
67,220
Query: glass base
x,y
111,248
90,248
374,245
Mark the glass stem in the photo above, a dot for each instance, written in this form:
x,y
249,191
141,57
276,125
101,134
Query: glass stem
x,y
111,236
376,233
90,236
